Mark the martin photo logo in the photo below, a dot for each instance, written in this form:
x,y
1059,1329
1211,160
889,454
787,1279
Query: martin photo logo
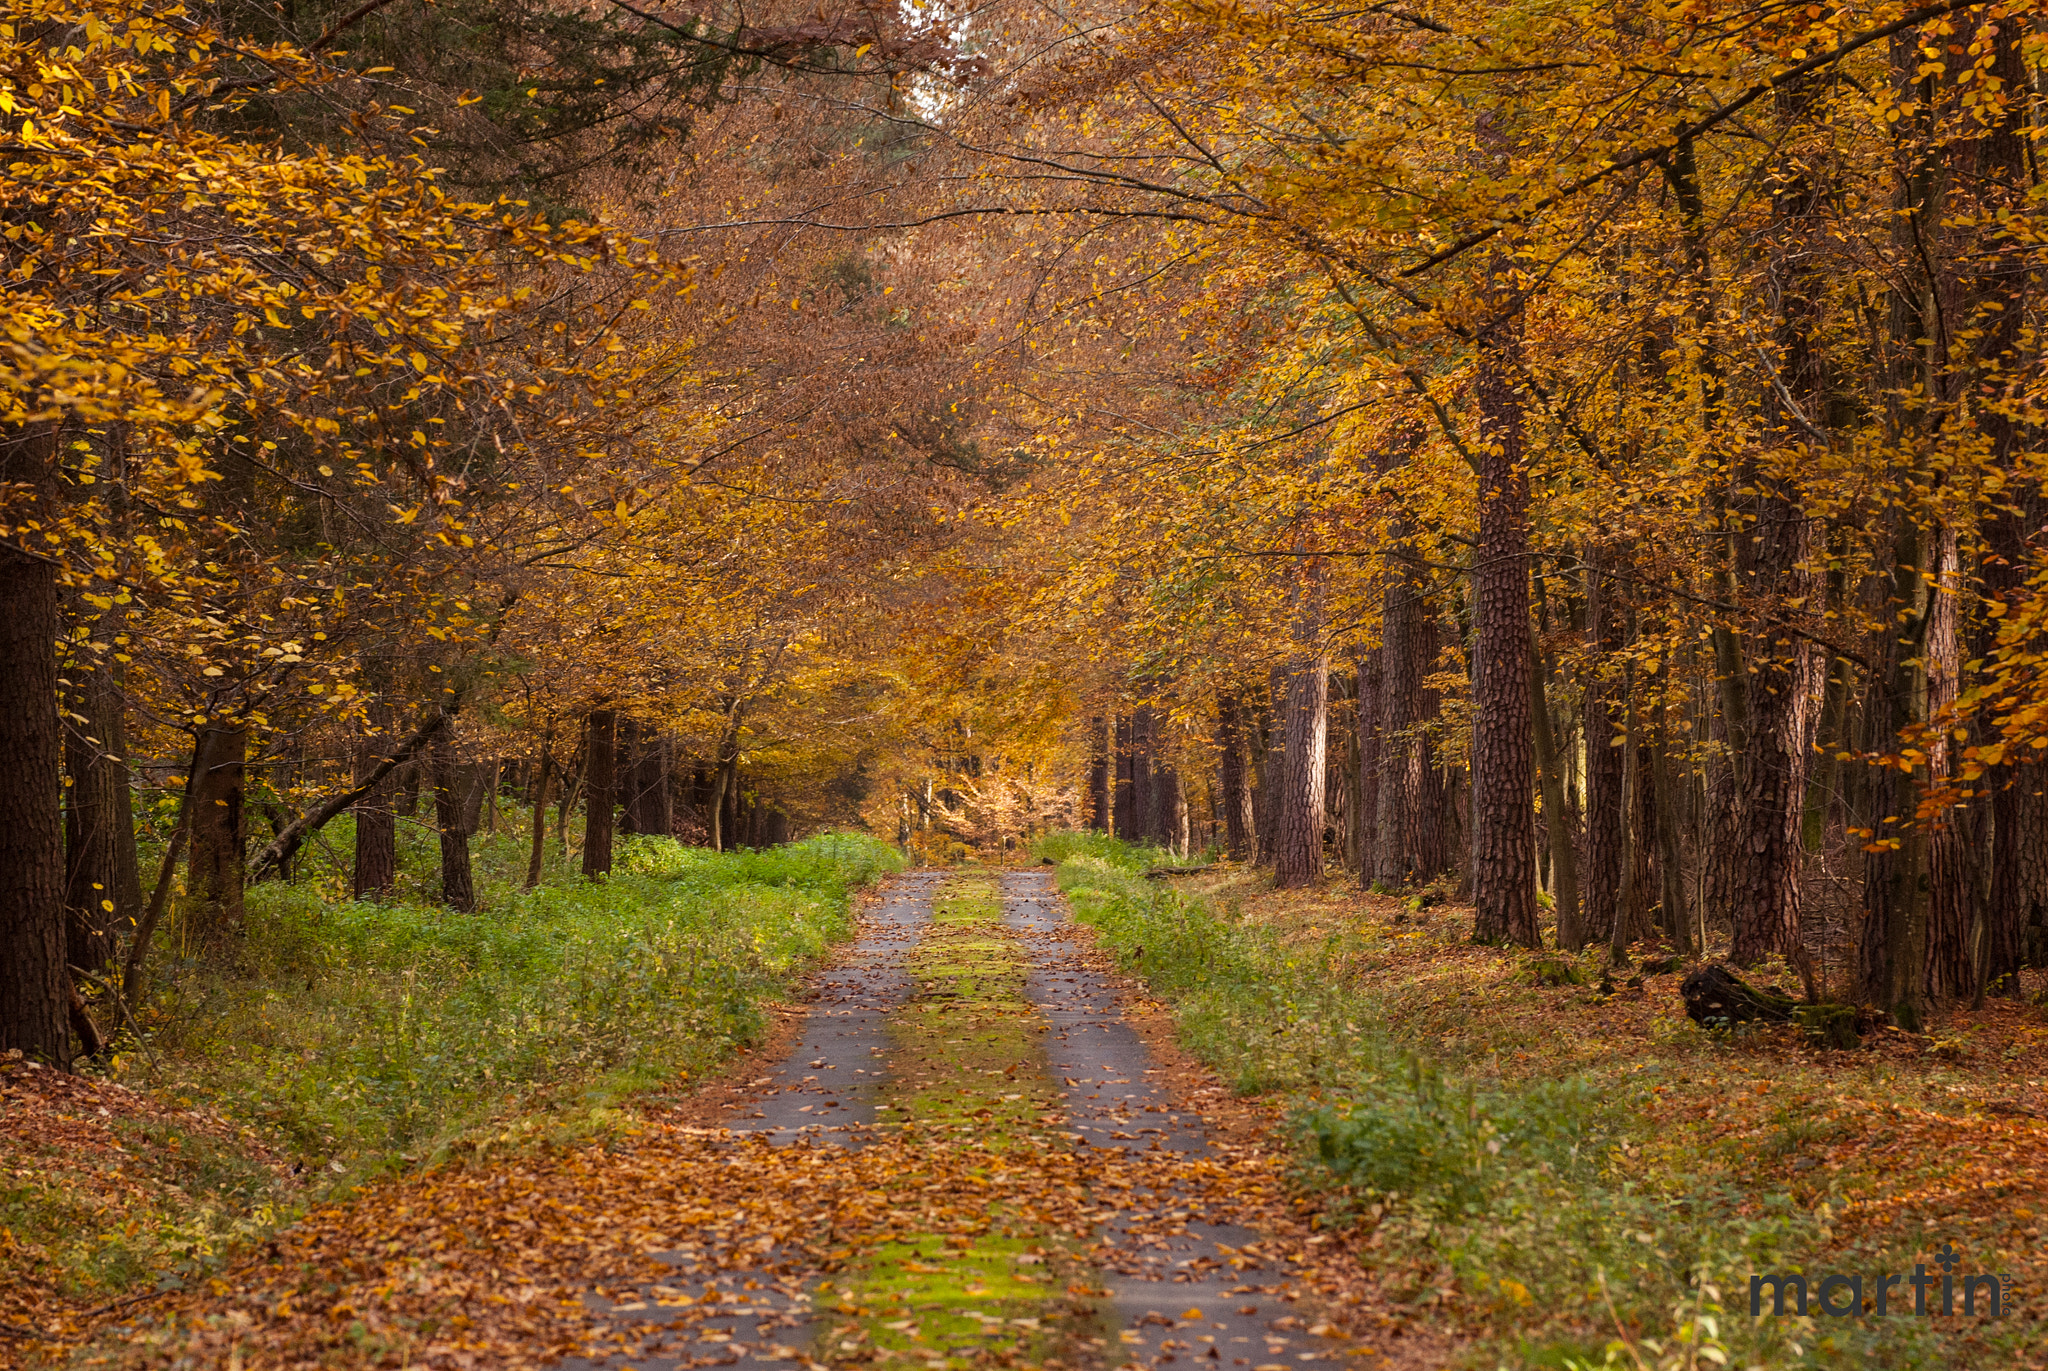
x,y
1842,1297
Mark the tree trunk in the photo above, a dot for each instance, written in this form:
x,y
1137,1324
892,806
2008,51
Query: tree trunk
x,y
34,988
1144,768
654,808
1949,973
626,768
1782,669
1557,818
1272,764
376,855
1670,850
1371,763
1503,737
546,770
1410,825
1605,821
213,886
454,783
2017,923
1240,825
408,782
102,888
598,787
1125,807
731,822
1097,817
1298,840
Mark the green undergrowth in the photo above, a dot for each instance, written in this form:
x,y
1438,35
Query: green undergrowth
x,y
360,1037
1507,1198
966,1063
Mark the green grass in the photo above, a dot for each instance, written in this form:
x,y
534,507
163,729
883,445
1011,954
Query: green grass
x,y
376,1033
1510,1188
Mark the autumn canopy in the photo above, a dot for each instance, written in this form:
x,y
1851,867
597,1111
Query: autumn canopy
x,y
1586,462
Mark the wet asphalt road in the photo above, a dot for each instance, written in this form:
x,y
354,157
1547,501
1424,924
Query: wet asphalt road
x,y
1174,1295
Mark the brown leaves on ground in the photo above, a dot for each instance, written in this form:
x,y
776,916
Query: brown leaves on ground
x,y
492,1265
92,1174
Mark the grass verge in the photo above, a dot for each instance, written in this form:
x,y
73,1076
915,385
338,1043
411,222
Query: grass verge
x,y
340,1040
1577,1180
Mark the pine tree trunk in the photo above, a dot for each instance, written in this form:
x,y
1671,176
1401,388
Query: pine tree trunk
x,y
1272,778
1125,808
1949,973
1503,738
1370,736
213,886
544,772
376,854
1412,800
1098,774
1783,681
599,785
1144,767
34,987
1670,845
2017,924
1558,827
1240,825
626,752
454,783
1605,763
100,881
1298,840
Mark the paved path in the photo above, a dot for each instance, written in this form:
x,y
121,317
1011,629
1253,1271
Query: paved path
x,y
1116,1102
827,1090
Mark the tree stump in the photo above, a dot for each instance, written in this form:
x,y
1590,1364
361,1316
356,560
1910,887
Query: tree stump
x,y
1716,997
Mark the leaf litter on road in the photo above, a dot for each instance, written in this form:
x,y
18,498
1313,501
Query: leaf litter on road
x,y
973,1228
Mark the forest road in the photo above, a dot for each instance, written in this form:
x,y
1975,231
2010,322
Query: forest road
x,y
1173,1287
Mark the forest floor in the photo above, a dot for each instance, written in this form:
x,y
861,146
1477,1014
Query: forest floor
x,y
1208,1122
971,1148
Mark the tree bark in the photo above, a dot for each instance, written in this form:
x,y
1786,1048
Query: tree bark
x,y
1606,823
1273,763
1783,669
376,855
598,787
1124,806
1412,803
101,885
1145,826
213,887
537,854
453,786
626,750
1503,738
1371,745
1949,973
1557,818
1098,773
1670,849
34,988
1298,840
652,793
1240,825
